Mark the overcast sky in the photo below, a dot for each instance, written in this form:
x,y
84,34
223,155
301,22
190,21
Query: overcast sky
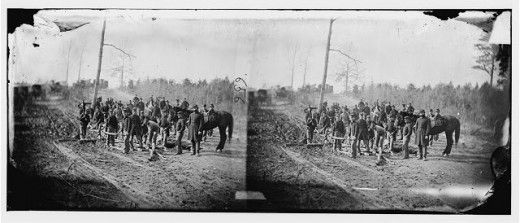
x,y
394,46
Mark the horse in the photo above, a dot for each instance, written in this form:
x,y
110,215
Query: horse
x,y
223,120
449,125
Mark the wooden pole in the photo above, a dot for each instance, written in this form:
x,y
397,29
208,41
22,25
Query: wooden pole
x,y
68,62
322,93
292,71
96,86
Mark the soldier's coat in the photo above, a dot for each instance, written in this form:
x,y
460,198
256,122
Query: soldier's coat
x,y
422,128
195,121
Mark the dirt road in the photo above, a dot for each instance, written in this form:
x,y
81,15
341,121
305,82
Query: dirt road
x,y
308,179
70,175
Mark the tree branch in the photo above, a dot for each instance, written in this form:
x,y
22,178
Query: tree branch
x,y
344,54
129,55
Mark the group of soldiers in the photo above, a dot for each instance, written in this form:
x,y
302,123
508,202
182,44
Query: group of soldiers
x,y
146,121
371,125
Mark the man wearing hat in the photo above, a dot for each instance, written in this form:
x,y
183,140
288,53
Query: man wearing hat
x,y
345,117
312,123
361,133
407,133
391,132
353,133
339,131
410,108
195,122
422,128
182,116
211,113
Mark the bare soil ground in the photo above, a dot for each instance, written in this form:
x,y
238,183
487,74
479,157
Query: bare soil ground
x,y
297,178
67,175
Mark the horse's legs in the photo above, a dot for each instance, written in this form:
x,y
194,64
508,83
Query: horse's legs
x,y
449,140
223,136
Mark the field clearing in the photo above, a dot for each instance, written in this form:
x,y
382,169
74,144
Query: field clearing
x,y
339,183
74,176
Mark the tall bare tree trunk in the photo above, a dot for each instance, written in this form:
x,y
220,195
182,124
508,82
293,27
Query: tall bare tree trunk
x,y
96,86
292,71
305,70
324,81
68,60
80,62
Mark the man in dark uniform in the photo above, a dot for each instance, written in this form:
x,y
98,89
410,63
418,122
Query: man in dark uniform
x,y
84,119
361,104
338,130
133,128
140,106
407,132
195,121
391,132
362,133
353,133
367,111
182,117
312,123
422,128
111,127
211,113
410,109
308,112
388,108
136,129
393,113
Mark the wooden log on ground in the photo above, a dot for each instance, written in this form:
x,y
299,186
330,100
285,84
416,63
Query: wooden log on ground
x,y
294,144
82,141
315,145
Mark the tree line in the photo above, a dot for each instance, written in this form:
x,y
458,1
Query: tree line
x,y
471,103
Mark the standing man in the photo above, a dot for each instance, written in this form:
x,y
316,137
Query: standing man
x,y
84,118
353,133
119,115
308,112
111,128
391,132
338,131
140,106
311,126
388,108
362,133
407,132
366,111
182,117
195,121
410,109
422,128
